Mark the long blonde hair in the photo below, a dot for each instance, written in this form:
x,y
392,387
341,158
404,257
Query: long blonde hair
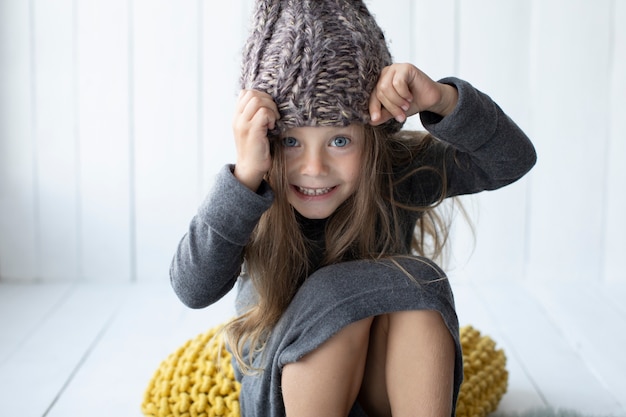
x,y
277,256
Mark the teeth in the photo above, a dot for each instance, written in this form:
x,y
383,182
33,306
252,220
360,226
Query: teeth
x,y
314,191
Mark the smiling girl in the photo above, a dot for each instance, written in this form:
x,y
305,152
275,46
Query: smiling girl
x,y
326,220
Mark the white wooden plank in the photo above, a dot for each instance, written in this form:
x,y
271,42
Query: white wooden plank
x,y
55,119
165,92
557,370
220,84
494,39
493,50
521,393
18,203
616,292
491,246
103,109
36,374
396,23
594,327
152,324
434,41
569,60
615,207
23,308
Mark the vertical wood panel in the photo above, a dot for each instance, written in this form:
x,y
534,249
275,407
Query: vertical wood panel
x,y
570,57
396,24
434,42
223,37
55,119
493,56
615,226
103,108
166,128
18,244
494,40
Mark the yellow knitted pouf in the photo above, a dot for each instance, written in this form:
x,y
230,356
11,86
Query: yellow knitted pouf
x,y
198,379
485,377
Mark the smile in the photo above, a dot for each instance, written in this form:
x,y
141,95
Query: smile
x,y
314,191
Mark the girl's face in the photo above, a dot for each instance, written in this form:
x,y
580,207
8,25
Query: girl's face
x,y
323,167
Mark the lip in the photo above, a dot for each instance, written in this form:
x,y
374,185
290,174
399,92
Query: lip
x,y
313,193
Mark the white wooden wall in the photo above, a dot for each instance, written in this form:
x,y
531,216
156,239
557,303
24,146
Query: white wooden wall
x,y
115,115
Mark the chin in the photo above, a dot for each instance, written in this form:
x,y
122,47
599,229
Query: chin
x,y
312,211
314,215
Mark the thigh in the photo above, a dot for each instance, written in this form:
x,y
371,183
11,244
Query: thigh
x,y
410,365
373,396
327,380
420,364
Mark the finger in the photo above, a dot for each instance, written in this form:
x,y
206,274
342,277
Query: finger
x,y
375,109
394,95
267,118
392,107
383,109
251,100
402,91
256,103
384,117
242,100
261,117
396,85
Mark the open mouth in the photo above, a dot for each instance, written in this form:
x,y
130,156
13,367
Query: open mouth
x,y
313,192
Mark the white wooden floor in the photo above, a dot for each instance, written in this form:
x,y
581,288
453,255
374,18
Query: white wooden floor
x,y
89,349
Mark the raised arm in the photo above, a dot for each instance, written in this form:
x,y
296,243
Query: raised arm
x,y
478,146
209,256
482,147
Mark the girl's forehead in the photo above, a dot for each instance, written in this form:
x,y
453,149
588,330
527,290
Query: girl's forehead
x,y
354,129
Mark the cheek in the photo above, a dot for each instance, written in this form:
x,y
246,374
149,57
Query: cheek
x,y
290,162
353,166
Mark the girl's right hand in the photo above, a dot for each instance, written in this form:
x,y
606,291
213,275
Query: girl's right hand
x,y
255,114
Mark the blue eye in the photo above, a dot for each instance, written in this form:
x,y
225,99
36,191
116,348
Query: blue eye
x,y
340,141
290,142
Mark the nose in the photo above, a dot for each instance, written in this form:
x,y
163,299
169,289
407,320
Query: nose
x,y
314,163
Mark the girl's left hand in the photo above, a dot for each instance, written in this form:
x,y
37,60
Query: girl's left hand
x,y
403,90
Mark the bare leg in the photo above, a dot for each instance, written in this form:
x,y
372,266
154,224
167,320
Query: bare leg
x,y
410,366
373,396
326,381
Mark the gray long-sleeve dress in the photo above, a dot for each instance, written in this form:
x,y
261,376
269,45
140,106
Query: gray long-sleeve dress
x,y
481,149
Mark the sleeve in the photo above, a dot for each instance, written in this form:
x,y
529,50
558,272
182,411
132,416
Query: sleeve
x,y
208,259
479,146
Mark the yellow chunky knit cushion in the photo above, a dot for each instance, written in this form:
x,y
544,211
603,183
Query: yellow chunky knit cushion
x,y
485,378
198,379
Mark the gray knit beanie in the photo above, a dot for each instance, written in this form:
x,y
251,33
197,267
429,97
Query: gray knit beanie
x,y
318,59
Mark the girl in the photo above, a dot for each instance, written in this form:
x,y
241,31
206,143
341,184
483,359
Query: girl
x,y
326,217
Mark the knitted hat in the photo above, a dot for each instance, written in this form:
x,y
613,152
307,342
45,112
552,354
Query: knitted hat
x,y
318,59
